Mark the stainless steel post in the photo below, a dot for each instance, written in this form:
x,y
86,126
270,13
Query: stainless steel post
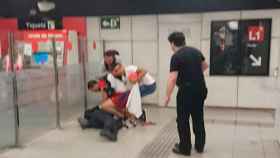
x,y
56,80
15,90
83,52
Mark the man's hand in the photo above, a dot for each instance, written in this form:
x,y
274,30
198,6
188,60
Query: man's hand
x,y
133,78
170,86
166,101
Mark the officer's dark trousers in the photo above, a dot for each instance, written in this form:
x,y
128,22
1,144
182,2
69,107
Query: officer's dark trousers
x,y
190,103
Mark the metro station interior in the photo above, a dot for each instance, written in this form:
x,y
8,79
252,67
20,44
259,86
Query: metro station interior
x,y
51,50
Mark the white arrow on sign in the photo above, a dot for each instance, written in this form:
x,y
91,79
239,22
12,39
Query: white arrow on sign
x,y
106,23
256,62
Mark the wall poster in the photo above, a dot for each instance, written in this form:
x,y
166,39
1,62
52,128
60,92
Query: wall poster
x,y
240,47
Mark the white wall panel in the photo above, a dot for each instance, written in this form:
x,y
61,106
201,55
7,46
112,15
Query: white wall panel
x,y
179,18
95,58
192,33
93,28
257,92
277,113
124,33
73,54
145,55
123,47
222,91
274,56
144,28
95,55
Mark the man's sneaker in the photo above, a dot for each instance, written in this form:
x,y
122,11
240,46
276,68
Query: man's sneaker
x,y
83,122
109,135
143,117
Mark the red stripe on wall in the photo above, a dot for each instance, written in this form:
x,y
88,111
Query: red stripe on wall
x,y
76,23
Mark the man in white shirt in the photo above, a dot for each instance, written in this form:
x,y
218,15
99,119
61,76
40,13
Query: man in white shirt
x,y
122,83
146,81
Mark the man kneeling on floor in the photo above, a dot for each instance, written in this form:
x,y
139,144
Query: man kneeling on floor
x,y
133,74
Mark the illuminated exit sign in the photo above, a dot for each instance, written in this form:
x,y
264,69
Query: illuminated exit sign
x,y
110,22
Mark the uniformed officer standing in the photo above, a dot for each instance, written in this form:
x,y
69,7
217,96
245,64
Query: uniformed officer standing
x,y
186,71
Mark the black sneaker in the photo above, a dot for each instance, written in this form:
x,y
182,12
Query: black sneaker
x,y
83,122
199,149
176,150
143,117
109,135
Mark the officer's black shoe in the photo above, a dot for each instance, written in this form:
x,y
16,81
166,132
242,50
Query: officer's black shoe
x,y
176,150
199,149
83,123
109,135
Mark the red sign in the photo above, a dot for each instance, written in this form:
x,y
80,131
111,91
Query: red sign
x,y
36,36
256,34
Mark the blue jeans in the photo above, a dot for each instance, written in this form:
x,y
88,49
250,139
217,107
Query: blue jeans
x,y
147,89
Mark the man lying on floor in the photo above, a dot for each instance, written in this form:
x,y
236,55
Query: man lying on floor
x,y
99,119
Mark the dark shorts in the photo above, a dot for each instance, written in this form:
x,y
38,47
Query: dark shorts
x,y
147,89
120,100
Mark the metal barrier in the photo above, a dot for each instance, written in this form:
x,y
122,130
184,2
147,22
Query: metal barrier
x,y
38,99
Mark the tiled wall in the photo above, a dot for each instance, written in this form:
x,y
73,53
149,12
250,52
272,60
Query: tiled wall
x,y
142,40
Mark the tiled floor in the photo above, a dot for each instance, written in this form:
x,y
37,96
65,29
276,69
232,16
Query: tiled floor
x,y
227,137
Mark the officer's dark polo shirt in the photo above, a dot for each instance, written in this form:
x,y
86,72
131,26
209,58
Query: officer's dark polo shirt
x,y
187,61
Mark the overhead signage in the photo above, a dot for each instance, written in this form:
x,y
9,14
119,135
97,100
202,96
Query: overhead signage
x,y
39,24
110,22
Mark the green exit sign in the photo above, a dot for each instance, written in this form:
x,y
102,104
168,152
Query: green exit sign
x,y
110,22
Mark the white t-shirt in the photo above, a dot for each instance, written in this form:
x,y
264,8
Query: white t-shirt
x,y
146,80
118,85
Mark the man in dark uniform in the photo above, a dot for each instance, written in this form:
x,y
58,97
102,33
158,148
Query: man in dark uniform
x,y
186,71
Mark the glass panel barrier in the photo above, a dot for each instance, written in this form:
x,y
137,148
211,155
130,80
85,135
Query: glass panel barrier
x,y
7,114
71,88
7,121
35,84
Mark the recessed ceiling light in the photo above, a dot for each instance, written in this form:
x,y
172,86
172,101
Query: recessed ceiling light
x,y
45,5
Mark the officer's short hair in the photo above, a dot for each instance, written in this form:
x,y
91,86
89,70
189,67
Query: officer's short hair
x,y
178,38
